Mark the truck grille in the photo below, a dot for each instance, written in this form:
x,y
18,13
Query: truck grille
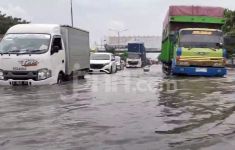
x,y
96,66
133,62
20,75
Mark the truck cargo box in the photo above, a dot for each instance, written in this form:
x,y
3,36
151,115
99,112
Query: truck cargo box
x,y
136,48
217,12
77,49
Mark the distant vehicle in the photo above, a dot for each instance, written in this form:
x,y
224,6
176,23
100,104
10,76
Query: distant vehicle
x,y
146,68
103,62
42,54
192,42
136,55
119,63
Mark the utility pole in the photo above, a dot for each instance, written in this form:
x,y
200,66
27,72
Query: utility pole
x,y
118,40
71,4
118,33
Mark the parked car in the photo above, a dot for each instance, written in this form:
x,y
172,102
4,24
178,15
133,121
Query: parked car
x,y
119,63
103,62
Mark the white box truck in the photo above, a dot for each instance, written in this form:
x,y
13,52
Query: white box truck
x,y
42,54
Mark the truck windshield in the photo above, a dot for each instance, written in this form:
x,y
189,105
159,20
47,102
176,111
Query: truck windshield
x,y
133,56
25,43
100,57
200,39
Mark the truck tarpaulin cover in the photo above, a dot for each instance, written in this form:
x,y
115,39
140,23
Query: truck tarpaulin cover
x,y
136,48
194,11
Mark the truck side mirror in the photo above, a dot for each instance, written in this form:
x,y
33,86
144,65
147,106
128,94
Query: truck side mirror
x,y
220,45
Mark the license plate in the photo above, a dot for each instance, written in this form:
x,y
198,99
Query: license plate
x,y
20,83
19,69
96,70
201,69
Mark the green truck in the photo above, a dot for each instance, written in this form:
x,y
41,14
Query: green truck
x,y
192,41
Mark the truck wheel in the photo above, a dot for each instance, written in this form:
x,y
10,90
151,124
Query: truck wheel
x,y
166,69
60,78
81,77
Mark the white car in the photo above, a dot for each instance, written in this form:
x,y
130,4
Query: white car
x,y
103,62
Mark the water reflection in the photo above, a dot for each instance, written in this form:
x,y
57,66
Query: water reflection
x,y
193,107
107,112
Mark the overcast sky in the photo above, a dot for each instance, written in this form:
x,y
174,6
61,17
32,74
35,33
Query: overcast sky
x,y
140,17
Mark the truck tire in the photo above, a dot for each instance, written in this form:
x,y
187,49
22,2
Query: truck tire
x,y
60,78
166,69
81,77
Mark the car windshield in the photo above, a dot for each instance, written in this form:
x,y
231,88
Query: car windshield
x,y
133,56
200,39
100,57
25,43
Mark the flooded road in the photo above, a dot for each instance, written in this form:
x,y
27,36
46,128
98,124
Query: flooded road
x,y
130,110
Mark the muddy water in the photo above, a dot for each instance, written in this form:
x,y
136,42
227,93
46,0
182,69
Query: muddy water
x,y
130,110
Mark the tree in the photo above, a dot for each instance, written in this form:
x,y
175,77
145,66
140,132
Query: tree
x,y
8,21
229,30
124,55
229,26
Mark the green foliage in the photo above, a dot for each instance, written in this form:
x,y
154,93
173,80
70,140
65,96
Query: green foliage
x,y
229,30
229,44
229,26
8,21
111,50
124,55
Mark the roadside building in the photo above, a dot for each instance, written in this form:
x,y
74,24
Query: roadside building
x,y
152,43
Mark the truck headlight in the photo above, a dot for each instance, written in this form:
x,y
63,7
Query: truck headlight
x,y
182,63
1,75
44,74
218,65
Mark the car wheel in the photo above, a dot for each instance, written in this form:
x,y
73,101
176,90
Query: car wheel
x,y
116,69
122,67
111,70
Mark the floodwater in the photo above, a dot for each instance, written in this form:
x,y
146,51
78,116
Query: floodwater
x,y
130,110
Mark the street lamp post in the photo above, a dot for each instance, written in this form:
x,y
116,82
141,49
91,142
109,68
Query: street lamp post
x,y
118,33
71,4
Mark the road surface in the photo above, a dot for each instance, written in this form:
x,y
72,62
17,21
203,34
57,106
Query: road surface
x,y
130,110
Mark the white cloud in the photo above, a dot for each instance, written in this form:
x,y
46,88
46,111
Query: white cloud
x,y
116,25
16,11
141,17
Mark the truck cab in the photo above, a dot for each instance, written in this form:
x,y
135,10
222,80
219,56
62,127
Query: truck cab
x,y
136,55
199,51
134,60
